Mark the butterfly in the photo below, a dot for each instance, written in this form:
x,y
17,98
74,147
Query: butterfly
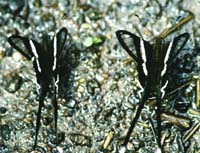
x,y
47,63
153,64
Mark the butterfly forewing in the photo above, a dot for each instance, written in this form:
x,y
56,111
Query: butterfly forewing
x,y
139,49
172,49
178,44
129,42
58,45
22,45
61,39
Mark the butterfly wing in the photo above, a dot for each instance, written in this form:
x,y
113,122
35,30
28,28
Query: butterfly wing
x,y
29,49
178,44
22,45
139,49
61,39
58,45
173,71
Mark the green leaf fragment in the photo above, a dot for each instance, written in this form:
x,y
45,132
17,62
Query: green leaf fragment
x,y
89,41
97,40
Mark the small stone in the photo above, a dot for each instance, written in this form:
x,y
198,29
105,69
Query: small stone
x,y
13,83
5,132
3,110
87,42
80,139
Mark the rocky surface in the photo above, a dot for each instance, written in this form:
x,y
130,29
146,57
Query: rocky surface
x,y
99,93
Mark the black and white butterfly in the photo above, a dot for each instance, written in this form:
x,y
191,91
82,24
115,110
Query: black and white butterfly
x,y
153,64
46,57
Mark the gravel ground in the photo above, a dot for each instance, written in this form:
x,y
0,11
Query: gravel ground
x,y
99,93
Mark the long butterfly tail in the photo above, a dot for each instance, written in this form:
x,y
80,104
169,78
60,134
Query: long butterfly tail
x,y
158,112
142,101
55,117
55,104
38,123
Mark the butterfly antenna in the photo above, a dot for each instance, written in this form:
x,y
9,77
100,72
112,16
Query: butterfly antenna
x,y
142,23
170,30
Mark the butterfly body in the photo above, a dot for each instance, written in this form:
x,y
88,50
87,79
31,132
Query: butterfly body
x,y
153,63
46,57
